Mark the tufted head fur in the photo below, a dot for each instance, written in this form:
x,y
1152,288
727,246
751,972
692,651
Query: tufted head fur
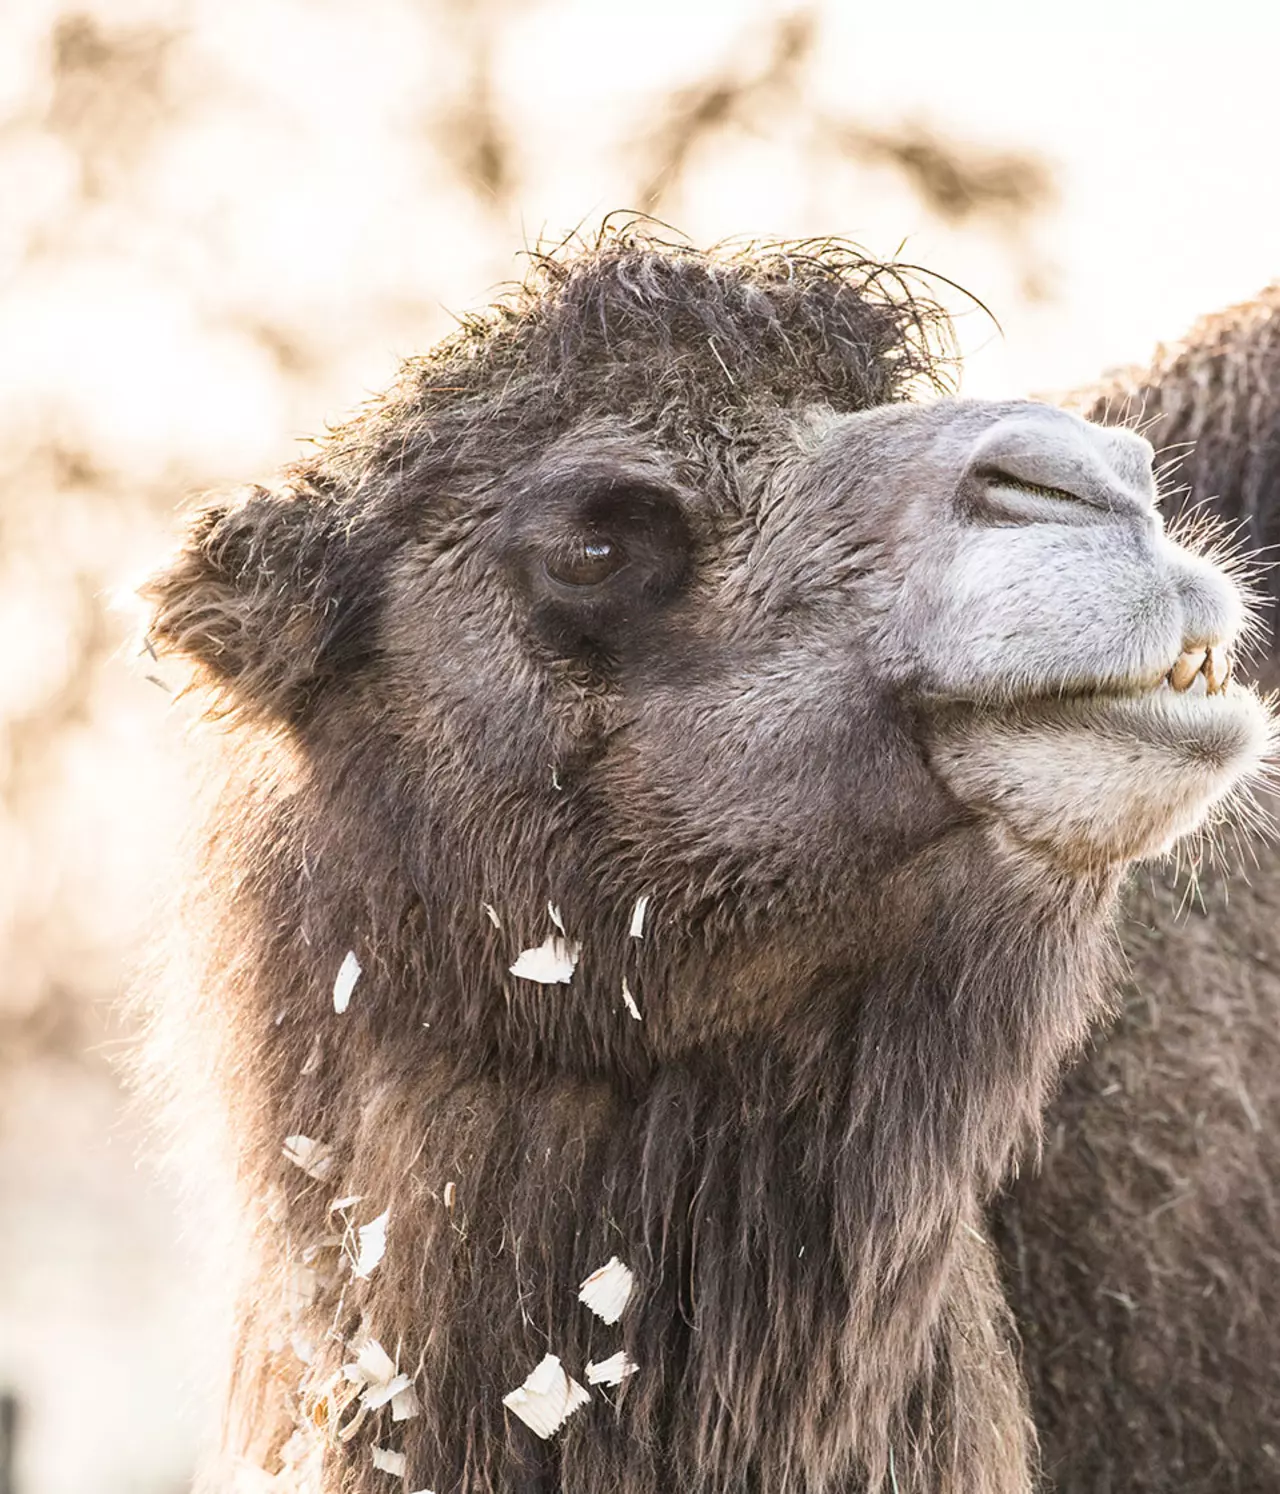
x,y
651,586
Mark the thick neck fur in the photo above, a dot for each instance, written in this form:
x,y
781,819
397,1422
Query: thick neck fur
x,y
800,1199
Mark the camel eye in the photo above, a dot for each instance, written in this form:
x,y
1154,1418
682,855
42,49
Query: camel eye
x,y
587,563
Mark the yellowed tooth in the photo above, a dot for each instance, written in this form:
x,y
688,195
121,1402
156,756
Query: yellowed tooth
x,y
1215,675
1186,669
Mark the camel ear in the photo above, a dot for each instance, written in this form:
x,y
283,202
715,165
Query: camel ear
x,y
250,600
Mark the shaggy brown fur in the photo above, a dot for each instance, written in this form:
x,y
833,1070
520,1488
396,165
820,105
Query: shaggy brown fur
x,y
1144,1259
852,1006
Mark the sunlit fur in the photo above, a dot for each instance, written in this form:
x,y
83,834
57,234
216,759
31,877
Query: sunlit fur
x,y
858,977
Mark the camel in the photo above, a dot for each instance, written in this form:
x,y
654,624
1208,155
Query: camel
x,y
1143,1257
680,770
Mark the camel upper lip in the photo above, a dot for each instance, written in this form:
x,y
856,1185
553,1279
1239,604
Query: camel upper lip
x,y
1199,670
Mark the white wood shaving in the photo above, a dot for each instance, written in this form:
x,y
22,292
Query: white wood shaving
x,y
388,1461
348,974
548,1398
349,1202
607,1291
424,1491
450,1194
315,1158
628,1000
611,1371
373,1362
405,1404
554,914
347,1432
638,914
492,914
373,1244
552,963
379,1395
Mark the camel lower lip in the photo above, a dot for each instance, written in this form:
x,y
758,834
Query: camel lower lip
x,y
1232,718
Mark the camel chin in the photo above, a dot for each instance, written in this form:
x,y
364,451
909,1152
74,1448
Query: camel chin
x,y
1093,780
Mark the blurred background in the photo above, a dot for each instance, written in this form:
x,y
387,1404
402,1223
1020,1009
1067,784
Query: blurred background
x,y
222,222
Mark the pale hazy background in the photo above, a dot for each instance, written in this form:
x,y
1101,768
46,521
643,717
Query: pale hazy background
x,y
222,222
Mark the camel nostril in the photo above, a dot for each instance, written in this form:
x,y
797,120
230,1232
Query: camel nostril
x,y
1131,456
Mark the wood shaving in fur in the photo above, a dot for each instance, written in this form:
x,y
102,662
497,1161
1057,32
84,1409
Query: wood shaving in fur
x,y
388,1461
548,1398
611,1371
348,974
491,913
349,1202
554,914
638,916
379,1395
405,1404
552,963
372,1362
607,1291
373,1244
315,1158
629,1001
450,1194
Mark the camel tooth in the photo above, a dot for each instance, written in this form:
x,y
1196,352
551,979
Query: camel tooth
x,y
1185,670
1214,671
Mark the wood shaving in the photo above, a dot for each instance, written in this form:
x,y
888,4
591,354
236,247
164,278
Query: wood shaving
x,y
628,1000
348,974
552,963
349,1202
554,914
373,1362
638,916
607,1291
373,1244
547,1399
379,1395
388,1461
611,1371
405,1404
450,1194
491,913
315,1158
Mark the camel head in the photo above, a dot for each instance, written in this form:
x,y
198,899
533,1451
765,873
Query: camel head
x,y
715,768
662,588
